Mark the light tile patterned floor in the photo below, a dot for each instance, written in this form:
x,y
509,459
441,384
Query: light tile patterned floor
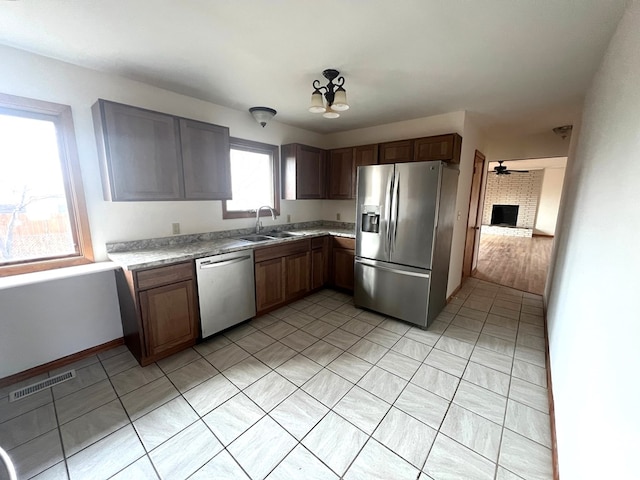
x,y
316,390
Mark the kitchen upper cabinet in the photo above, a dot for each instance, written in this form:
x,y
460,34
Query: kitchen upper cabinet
x,y
303,172
396,152
159,310
440,147
148,155
363,155
341,172
343,257
205,160
140,153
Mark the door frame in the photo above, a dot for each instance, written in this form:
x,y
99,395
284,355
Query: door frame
x,y
479,161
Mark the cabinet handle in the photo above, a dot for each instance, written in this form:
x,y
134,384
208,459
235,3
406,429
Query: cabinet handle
x,y
222,263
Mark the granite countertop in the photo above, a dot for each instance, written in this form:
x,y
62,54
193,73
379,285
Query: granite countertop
x,y
154,256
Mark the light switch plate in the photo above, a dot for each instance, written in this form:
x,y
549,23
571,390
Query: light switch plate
x,y
175,228
338,216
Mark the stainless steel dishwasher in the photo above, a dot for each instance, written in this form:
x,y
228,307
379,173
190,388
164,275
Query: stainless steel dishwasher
x,y
226,287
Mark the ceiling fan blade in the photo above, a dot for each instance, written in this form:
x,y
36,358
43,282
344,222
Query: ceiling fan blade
x,y
519,171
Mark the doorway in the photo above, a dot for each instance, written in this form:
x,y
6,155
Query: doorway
x,y
518,222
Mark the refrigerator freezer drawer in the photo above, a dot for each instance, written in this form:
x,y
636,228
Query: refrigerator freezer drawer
x,y
393,290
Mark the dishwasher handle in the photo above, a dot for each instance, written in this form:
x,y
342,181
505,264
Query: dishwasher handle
x,y
222,263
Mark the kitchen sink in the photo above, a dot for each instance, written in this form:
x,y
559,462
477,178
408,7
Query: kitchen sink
x,y
256,238
281,234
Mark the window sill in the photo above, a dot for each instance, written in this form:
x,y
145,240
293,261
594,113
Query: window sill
x,y
55,274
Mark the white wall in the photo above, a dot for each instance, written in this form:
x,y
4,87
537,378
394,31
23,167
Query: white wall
x,y
534,145
51,80
549,203
593,312
45,321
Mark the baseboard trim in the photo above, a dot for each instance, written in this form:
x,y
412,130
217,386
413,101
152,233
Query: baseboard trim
x,y
552,410
453,294
61,362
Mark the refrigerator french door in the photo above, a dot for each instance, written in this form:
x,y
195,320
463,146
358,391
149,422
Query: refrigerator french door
x,y
404,226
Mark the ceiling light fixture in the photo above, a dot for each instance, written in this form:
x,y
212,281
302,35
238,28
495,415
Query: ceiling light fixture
x,y
262,114
564,131
334,99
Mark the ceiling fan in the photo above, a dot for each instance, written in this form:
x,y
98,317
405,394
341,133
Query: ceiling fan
x,y
503,170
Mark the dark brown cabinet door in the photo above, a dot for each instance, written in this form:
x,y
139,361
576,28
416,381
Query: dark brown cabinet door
x,y
140,152
396,152
366,155
297,275
270,282
341,172
205,160
310,181
169,316
440,147
317,268
343,265
303,170
363,155
319,262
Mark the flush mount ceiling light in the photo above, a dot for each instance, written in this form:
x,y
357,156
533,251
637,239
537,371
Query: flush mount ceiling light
x,y
564,131
262,114
334,99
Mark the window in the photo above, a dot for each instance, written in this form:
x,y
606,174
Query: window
x,y
254,179
43,220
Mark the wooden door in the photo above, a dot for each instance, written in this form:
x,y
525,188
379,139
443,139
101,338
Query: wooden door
x,y
310,172
472,240
363,155
270,282
297,275
340,174
343,265
141,153
438,147
205,159
169,316
395,152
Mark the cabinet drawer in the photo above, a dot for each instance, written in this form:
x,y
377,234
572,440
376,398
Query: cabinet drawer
x,y
343,242
288,248
164,275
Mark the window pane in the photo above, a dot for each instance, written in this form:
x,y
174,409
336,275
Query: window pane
x,y
251,180
34,219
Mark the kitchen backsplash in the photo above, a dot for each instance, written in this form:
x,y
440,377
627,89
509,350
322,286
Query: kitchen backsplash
x,y
113,247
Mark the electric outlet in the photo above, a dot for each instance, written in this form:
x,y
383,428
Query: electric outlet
x,y
288,218
175,228
338,216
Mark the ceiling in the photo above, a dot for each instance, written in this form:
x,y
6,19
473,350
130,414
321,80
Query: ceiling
x,y
522,63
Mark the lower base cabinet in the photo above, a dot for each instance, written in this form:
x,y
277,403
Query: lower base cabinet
x,y
168,316
319,262
343,257
282,274
159,310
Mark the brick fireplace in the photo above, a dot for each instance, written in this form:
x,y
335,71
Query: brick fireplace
x,y
521,190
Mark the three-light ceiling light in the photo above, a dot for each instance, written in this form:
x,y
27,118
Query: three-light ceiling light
x,y
331,99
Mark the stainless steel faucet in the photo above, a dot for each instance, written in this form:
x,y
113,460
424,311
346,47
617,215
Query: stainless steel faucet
x,y
258,224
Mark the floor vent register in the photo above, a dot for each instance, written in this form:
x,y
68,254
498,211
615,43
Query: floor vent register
x,y
39,386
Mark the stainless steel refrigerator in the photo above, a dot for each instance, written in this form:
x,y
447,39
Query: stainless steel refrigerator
x,y
404,225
